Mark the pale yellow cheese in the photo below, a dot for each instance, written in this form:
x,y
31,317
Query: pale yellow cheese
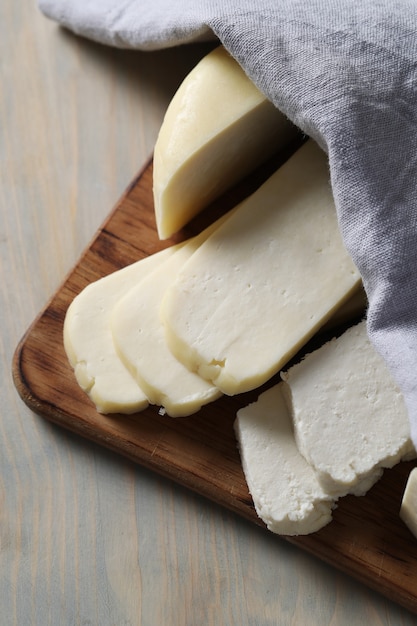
x,y
89,344
139,338
264,282
217,128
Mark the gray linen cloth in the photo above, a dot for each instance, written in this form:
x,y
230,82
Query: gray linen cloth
x,y
345,72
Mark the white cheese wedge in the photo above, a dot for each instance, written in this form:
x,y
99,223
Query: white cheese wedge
x,y
89,344
139,339
408,510
285,490
264,282
217,128
350,419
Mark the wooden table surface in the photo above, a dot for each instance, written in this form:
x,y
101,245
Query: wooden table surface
x,y
86,537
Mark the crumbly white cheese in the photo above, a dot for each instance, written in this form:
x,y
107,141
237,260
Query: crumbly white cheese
x,y
89,344
264,282
408,510
217,128
350,420
285,490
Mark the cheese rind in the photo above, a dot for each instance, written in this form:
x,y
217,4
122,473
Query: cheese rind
x,y
350,420
89,344
285,490
264,282
408,510
217,128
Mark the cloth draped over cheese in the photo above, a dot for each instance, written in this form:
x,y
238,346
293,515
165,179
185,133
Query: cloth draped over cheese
x,y
344,72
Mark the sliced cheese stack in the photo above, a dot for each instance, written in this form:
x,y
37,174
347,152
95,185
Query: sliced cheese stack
x,y
114,339
89,343
217,128
285,490
129,299
116,342
350,420
139,339
329,430
264,282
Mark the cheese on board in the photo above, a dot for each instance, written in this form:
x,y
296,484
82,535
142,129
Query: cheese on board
x,y
285,490
350,419
217,128
139,338
89,344
264,282
408,510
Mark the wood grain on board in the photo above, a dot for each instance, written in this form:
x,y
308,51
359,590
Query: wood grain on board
x,y
366,538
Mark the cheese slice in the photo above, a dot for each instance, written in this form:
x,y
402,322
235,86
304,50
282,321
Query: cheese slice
x,y
264,282
408,510
89,344
285,490
350,419
138,335
139,338
217,128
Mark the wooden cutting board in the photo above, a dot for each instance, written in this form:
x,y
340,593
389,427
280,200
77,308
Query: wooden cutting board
x,y
366,538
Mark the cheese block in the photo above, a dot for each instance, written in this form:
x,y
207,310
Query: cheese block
x,y
408,510
264,282
350,419
217,128
285,490
89,344
139,338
